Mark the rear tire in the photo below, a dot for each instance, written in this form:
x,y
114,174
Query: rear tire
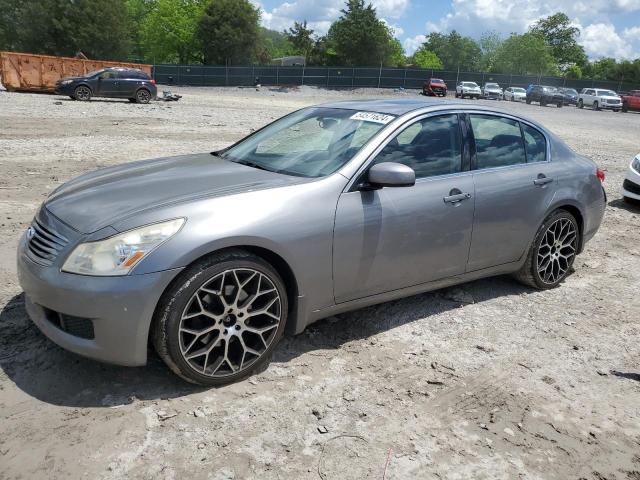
x,y
221,318
143,96
552,252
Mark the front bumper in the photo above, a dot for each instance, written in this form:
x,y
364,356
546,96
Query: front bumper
x,y
495,95
64,89
631,185
120,309
612,106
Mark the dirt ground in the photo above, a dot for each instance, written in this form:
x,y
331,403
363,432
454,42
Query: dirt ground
x,y
487,380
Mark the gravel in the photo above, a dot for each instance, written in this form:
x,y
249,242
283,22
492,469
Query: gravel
x,y
485,380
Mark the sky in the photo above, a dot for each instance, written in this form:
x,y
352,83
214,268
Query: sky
x,y
609,28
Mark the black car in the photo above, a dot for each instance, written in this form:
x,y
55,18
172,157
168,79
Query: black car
x,y
129,83
569,95
544,95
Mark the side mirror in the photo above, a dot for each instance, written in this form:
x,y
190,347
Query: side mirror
x,y
390,174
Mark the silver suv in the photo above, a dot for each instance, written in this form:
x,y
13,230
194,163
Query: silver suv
x,y
598,98
468,89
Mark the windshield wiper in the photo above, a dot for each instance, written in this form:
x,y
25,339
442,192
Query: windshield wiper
x,y
253,164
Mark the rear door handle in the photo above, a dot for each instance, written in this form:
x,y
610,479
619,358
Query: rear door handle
x,y
456,198
542,180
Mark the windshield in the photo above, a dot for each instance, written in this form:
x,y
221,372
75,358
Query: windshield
x,y
469,84
606,93
518,90
549,89
95,72
437,80
312,142
570,91
492,85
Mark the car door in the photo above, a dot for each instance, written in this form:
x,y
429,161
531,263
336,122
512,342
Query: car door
x,y
588,97
108,84
514,185
392,238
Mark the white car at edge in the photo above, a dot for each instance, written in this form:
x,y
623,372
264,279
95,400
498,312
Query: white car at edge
x,y
515,94
631,184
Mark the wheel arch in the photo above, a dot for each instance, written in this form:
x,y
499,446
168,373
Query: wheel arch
x,y
574,209
283,268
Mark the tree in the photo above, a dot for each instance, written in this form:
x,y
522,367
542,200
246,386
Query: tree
x,y
137,11
454,50
273,44
605,69
396,56
101,30
424,58
167,32
525,54
490,43
573,72
358,37
301,38
228,32
562,38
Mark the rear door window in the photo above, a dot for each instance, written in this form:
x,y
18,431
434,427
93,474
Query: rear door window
x,y
535,144
498,141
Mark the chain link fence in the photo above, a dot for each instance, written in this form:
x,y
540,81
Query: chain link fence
x,y
355,77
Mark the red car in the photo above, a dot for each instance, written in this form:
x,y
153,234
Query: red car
x,y
434,87
631,101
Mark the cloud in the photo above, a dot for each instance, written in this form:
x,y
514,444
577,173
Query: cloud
x,y
602,40
413,43
598,35
320,14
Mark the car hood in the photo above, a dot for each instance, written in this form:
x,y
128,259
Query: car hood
x,y
71,78
610,97
98,199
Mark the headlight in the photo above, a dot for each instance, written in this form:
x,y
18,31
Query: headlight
x,y
636,164
66,82
118,255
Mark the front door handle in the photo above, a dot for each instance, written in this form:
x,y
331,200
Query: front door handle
x,y
456,197
542,179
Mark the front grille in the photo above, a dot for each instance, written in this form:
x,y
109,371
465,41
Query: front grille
x,y
613,101
439,89
45,243
629,186
76,326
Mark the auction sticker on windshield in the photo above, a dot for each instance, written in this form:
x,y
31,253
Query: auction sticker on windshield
x,y
372,117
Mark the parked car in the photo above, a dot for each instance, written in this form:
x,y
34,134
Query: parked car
x,y
468,89
129,83
569,96
514,94
631,183
544,95
492,90
631,101
210,257
598,98
434,87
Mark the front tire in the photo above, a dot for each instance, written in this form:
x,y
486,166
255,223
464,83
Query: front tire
x,y
595,106
82,93
552,252
221,318
580,104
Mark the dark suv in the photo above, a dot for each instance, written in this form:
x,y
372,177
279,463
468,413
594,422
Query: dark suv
x,y
544,95
129,83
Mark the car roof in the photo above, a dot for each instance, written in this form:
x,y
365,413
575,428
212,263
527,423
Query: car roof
x,y
400,106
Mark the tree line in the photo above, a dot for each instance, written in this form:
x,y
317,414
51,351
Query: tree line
x,y
228,32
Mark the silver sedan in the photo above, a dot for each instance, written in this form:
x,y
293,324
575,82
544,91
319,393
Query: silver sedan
x,y
211,257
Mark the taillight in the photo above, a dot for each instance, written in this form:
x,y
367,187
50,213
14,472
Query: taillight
x,y
153,82
600,174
